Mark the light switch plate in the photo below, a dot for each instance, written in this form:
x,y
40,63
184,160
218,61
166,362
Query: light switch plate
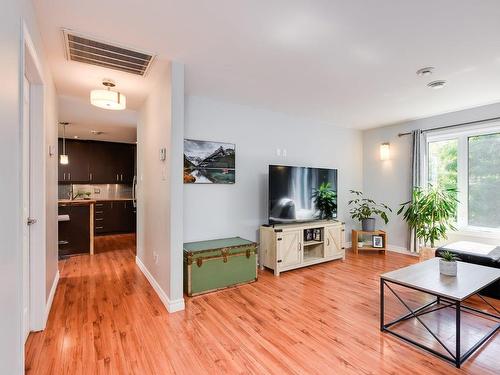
x,y
163,154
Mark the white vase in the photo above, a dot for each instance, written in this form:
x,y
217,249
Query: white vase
x,y
448,268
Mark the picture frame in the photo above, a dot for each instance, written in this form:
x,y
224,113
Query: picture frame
x,y
317,234
308,234
209,162
377,242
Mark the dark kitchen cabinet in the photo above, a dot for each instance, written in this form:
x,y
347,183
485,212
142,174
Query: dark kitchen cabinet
x,y
74,235
114,217
78,166
102,163
97,162
125,157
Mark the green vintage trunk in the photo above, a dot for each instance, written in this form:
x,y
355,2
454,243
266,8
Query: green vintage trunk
x,y
218,264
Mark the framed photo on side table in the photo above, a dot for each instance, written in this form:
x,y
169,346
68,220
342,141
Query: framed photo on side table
x,y
377,241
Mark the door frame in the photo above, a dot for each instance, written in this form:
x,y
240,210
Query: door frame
x,y
32,69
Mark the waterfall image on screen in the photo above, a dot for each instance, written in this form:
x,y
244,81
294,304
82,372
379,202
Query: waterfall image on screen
x,y
291,190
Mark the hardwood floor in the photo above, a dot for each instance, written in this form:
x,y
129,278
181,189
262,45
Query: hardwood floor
x,y
106,319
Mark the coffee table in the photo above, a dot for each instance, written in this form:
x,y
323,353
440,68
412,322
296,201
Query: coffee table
x,y
450,292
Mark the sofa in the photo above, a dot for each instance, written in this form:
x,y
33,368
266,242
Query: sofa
x,y
477,253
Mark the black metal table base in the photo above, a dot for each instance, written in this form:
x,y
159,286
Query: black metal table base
x,y
439,303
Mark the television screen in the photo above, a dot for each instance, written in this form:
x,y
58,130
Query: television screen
x,y
291,192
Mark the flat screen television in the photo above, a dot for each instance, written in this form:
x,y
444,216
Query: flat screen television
x,y
291,190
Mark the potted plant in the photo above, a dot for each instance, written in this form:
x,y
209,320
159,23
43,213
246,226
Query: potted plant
x,y
364,210
448,264
430,213
325,200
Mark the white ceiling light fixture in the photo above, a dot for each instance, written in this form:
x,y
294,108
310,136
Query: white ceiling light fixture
x,y
108,99
436,85
424,72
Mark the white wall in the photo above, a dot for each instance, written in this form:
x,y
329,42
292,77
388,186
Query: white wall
x,y
158,220
216,211
390,181
11,70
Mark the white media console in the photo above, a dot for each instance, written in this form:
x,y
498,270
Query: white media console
x,y
285,247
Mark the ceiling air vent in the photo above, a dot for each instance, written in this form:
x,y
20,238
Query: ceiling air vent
x,y
90,51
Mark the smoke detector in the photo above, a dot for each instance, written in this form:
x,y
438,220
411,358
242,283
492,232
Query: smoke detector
x,y
436,85
424,72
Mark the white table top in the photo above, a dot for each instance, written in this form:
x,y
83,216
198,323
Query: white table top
x,y
425,276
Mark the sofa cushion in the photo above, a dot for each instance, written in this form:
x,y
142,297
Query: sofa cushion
x,y
477,253
474,252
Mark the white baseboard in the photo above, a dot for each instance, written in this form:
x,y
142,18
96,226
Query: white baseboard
x,y
52,293
171,305
393,248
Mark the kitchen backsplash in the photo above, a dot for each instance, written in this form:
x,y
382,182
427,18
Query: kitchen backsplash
x,y
101,191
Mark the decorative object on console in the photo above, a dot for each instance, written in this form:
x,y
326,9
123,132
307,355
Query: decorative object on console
x,y
448,264
325,200
365,208
207,162
430,213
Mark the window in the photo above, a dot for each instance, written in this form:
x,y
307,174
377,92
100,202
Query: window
x,y
468,159
484,180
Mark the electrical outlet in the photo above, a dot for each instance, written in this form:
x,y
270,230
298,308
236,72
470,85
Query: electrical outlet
x,y
156,257
97,191
278,152
284,152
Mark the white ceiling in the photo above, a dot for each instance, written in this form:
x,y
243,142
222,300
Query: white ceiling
x,y
348,63
118,126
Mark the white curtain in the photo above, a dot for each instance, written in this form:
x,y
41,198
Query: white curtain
x,y
416,175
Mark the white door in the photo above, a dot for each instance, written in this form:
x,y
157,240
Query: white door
x,y
333,241
290,249
26,208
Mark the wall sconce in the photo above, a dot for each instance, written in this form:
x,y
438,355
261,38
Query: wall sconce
x,y
385,151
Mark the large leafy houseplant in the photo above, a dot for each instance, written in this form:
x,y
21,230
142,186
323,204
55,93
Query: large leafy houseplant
x,y
325,200
430,213
364,210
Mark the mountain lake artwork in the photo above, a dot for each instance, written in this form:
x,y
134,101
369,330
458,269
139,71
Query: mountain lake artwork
x,y
207,162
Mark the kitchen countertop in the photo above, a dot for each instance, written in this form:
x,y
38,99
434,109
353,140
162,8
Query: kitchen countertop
x,y
90,201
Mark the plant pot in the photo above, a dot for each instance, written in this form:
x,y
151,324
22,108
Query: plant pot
x,y
368,225
447,268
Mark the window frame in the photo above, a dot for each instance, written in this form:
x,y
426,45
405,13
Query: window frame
x,y
461,134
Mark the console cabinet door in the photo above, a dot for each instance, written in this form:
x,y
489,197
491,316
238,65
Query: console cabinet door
x,y
290,249
333,241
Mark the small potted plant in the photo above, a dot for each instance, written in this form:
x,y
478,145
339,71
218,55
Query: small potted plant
x,y
430,213
364,210
448,264
325,200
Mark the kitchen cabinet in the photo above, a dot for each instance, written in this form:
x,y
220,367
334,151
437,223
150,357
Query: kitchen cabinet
x,y
74,235
114,217
102,163
77,170
97,162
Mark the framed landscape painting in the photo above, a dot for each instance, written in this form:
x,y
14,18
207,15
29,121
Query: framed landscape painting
x,y
207,162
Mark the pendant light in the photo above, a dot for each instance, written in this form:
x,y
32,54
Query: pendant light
x,y
63,158
107,98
